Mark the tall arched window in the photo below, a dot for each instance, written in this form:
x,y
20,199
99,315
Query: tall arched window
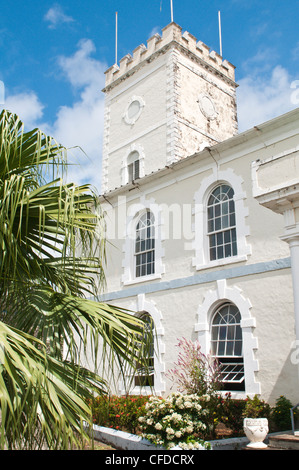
x,y
145,245
133,166
144,376
222,223
227,346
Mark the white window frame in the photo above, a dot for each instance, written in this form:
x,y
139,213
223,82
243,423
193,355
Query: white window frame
x,y
230,228
134,148
135,211
141,304
133,167
232,364
214,299
147,251
201,260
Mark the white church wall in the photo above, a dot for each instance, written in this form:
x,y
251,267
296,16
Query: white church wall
x,y
185,101
180,290
271,370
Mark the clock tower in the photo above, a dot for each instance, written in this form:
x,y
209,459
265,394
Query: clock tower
x,y
167,100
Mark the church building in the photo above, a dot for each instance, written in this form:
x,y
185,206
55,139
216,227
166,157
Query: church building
x,y
192,245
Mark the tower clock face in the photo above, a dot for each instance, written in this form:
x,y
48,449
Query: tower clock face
x,y
207,106
133,110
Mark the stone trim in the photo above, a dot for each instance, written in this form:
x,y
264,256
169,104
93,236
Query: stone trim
x,y
212,300
200,244
140,304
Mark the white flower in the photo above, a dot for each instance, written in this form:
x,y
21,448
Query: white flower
x,y
158,426
183,445
169,431
176,417
149,421
178,434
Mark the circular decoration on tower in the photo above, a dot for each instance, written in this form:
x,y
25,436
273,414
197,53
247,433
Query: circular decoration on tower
x,y
207,106
133,110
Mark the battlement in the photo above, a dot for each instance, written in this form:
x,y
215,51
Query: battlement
x,y
170,34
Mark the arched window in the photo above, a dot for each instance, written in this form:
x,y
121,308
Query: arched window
x,y
144,376
133,166
227,346
145,245
222,223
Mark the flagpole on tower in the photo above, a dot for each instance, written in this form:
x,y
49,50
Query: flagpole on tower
x,y
116,38
171,10
220,35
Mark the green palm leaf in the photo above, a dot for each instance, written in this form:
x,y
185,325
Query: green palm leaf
x,y
52,257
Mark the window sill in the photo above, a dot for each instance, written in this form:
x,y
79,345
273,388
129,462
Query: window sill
x,y
141,279
234,394
147,391
221,262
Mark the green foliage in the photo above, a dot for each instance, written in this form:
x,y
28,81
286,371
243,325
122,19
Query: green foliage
x,y
124,413
195,372
281,414
118,412
176,420
256,408
229,412
52,256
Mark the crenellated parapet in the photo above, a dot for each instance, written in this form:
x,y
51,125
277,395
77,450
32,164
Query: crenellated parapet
x,y
171,35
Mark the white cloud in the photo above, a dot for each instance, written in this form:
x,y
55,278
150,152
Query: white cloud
x,y
55,16
81,125
263,97
78,126
27,106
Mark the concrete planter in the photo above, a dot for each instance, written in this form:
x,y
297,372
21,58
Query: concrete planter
x,y
126,441
256,430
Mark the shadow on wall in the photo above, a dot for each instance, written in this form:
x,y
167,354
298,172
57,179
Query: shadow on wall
x,y
287,383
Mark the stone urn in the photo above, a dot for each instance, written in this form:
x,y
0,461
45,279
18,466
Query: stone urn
x,y
256,430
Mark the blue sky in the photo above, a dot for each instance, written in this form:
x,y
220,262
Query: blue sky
x,y
53,56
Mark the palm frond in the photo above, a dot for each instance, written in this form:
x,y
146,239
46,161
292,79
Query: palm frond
x,y
52,257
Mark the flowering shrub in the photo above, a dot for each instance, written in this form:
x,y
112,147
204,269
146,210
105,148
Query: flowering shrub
x,y
281,414
118,412
194,371
229,412
176,420
256,408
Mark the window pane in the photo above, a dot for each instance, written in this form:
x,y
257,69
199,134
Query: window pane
x,y
225,221
136,169
225,208
230,348
227,251
130,173
222,332
217,222
238,348
221,348
220,254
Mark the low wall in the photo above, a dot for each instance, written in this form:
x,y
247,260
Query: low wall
x,y
126,441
